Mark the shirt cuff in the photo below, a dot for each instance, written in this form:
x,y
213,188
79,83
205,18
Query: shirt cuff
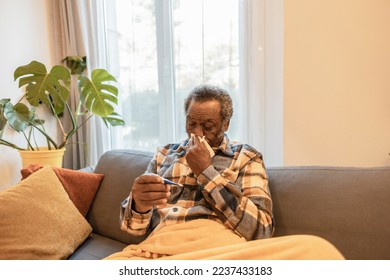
x,y
134,213
133,222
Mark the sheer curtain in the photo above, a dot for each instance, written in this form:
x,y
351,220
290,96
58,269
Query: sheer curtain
x,y
261,77
251,49
95,38
68,40
78,28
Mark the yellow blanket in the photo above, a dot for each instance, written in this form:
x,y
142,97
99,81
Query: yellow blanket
x,y
206,239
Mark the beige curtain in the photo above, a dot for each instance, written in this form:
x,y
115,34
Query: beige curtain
x,y
68,40
78,28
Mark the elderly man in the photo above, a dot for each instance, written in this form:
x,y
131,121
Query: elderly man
x,y
204,197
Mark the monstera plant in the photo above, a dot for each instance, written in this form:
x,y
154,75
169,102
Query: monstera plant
x,y
52,89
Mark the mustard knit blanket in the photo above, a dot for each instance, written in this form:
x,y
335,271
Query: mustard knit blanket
x,y
206,239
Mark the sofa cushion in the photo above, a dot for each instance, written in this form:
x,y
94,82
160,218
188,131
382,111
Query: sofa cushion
x,y
80,186
97,247
346,206
38,220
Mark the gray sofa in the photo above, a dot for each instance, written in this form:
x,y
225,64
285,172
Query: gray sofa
x,y
347,206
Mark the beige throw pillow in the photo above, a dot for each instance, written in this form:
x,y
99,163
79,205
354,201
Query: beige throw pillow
x,y
38,220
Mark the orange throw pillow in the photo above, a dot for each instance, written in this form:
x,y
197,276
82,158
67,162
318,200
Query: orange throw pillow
x,y
80,186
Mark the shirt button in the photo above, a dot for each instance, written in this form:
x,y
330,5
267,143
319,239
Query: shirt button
x,y
186,193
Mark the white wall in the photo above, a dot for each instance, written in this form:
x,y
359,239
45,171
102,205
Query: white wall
x,y
24,37
337,82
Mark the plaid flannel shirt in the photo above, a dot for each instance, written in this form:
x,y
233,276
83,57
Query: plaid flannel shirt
x,y
233,191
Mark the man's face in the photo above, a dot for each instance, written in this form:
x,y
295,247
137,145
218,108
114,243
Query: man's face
x,y
204,119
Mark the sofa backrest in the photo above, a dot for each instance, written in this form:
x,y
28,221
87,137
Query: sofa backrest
x,y
347,206
120,168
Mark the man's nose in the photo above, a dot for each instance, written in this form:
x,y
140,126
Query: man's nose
x,y
198,131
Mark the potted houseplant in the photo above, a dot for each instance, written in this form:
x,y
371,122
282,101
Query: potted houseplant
x,y
51,89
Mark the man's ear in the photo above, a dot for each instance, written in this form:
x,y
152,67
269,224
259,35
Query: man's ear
x,y
226,125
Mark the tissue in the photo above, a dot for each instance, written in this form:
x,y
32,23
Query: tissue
x,y
204,141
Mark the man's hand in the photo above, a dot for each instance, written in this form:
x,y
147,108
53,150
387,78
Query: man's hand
x,y
148,191
198,157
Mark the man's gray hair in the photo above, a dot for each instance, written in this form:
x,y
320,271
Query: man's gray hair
x,y
203,93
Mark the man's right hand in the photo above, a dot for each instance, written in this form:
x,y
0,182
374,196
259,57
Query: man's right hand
x,y
148,191
197,156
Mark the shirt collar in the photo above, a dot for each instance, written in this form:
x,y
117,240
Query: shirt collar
x,y
225,146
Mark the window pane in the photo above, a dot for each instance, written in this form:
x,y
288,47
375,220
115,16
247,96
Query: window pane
x,y
205,48
138,78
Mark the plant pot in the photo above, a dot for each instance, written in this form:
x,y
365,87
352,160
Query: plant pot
x,y
43,156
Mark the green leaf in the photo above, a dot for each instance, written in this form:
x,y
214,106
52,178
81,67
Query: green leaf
x,y
114,119
96,95
76,64
40,84
3,120
18,116
37,121
4,101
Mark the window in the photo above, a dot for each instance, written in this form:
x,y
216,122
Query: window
x,y
165,48
160,49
